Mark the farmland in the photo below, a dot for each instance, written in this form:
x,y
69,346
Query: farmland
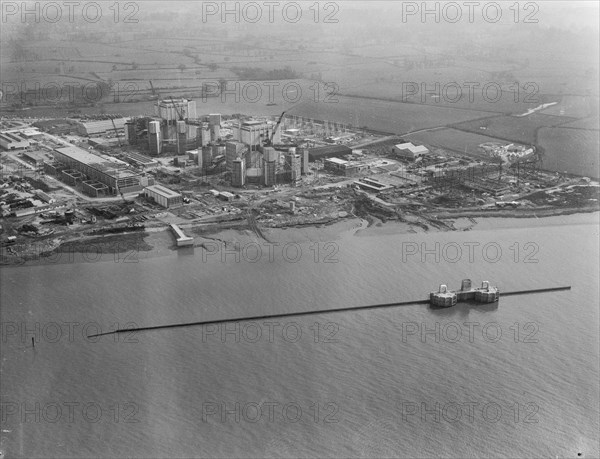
x,y
453,140
520,129
571,150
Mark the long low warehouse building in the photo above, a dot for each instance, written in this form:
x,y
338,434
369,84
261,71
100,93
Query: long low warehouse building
x,y
328,152
13,140
99,168
91,127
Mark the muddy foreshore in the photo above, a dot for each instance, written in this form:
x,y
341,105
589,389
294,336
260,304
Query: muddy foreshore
x,y
159,240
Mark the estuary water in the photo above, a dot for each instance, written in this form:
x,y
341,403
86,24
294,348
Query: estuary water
x,y
519,379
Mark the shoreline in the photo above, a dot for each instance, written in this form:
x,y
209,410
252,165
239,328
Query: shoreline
x,y
130,247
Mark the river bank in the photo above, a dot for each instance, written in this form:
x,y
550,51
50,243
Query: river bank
x,y
159,241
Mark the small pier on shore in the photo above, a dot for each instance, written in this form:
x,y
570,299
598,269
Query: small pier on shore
x,y
180,236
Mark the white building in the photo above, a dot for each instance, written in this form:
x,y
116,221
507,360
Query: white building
x,y
409,151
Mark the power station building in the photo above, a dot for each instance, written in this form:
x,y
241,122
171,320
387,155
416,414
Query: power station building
x,y
293,164
113,174
303,152
270,171
233,150
255,132
238,176
172,110
154,138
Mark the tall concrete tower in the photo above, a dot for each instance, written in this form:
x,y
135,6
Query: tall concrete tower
x,y
238,176
154,138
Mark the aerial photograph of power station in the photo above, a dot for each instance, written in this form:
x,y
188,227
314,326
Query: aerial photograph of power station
x,y
299,229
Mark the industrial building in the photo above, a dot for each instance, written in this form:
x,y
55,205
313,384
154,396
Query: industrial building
x,y
173,110
293,165
154,138
94,188
303,152
255,132
34,157
320,153
140,160
269,170
92,127
163,196
104,144
371,184
13,140
238,175
343,167
195,156
206,157
99,168
409,151
233,150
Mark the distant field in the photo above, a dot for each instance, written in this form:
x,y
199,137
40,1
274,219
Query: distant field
x,y
513,128
453,140
574,107
571,150
391,117
592,123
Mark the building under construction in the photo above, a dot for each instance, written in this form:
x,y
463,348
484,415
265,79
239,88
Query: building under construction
x,y
102,175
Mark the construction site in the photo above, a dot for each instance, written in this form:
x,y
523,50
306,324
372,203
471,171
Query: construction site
x,y
65,181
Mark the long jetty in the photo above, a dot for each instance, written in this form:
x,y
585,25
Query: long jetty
x,y
306,313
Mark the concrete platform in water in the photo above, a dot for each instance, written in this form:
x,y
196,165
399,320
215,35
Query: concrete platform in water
x,y
445,298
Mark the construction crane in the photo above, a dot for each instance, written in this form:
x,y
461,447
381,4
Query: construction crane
x,y
155,95
180,115
116,131
269,141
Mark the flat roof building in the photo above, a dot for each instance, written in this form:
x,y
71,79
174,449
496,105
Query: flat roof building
x,y
163,196
92,127
99,168
13,140
328,152
340,166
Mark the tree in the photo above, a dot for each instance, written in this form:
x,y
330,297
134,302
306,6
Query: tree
x,y
182,67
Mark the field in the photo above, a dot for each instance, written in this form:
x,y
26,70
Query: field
x,y
513,128
592,123
571,150
451,139
574,107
